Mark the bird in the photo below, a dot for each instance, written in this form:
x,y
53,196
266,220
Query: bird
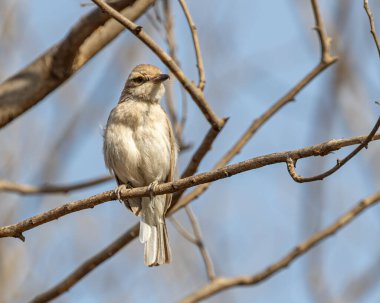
x,y
140,150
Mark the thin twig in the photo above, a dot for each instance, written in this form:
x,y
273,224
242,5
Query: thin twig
x,y
372,24
339,163
220,284
89,265
200,243
253,128
322,149
325,40
194,34
24,189
195,92
182,230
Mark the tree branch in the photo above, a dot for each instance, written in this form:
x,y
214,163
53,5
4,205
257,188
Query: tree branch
x,y
339,163
25,189
195,92
86,38
372,25
87,266
200,243
324,39
322,149
194,34
220,284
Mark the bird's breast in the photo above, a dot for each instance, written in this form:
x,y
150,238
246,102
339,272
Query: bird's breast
x,y
137,143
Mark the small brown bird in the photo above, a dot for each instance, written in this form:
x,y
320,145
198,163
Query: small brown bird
x,y
140,150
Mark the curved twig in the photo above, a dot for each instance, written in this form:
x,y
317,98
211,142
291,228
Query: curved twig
x,y
322,149
339,163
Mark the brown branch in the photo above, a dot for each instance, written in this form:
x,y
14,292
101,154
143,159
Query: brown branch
x,y
324,39
182,230
25,189
254,127
88,266
322,149
339,163
87,37
200,243
195,92
194,34
220,284
129,235
196,240
372,24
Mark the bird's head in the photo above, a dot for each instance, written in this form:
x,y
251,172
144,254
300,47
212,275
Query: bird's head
x,y
145,83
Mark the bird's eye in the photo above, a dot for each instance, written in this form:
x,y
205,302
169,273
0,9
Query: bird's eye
x,y
138,80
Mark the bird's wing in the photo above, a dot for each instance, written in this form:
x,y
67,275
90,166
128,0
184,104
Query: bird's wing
x,y
173,159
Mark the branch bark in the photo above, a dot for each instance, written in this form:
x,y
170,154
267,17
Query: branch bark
x,y
194,91
24,189
219,284
339,163
321,149
86,38
372,25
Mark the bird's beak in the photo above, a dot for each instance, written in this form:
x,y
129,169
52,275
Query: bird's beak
x,y
160,78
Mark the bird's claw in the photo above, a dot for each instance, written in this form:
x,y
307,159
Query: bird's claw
x,y
152,188
119,189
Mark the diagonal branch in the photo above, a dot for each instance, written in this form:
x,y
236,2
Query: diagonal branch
x,y
372,25
195,92
221,284
87,37
25,189
87,266
339,163
253,128
321,149
200,243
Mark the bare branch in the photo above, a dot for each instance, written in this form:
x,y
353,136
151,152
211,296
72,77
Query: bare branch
x,y
196,240
253,128
339,163
200,243
88,266
194,34
195,92
91,33
324,39
322,149
182,230
25,189
372,24
221,284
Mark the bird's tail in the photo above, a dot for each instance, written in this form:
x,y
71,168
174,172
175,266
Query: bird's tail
x,y
153,231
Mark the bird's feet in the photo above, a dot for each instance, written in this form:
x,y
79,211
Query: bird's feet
x,y
152,187
119,189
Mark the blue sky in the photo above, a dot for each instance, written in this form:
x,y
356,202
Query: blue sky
x,y
254,52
